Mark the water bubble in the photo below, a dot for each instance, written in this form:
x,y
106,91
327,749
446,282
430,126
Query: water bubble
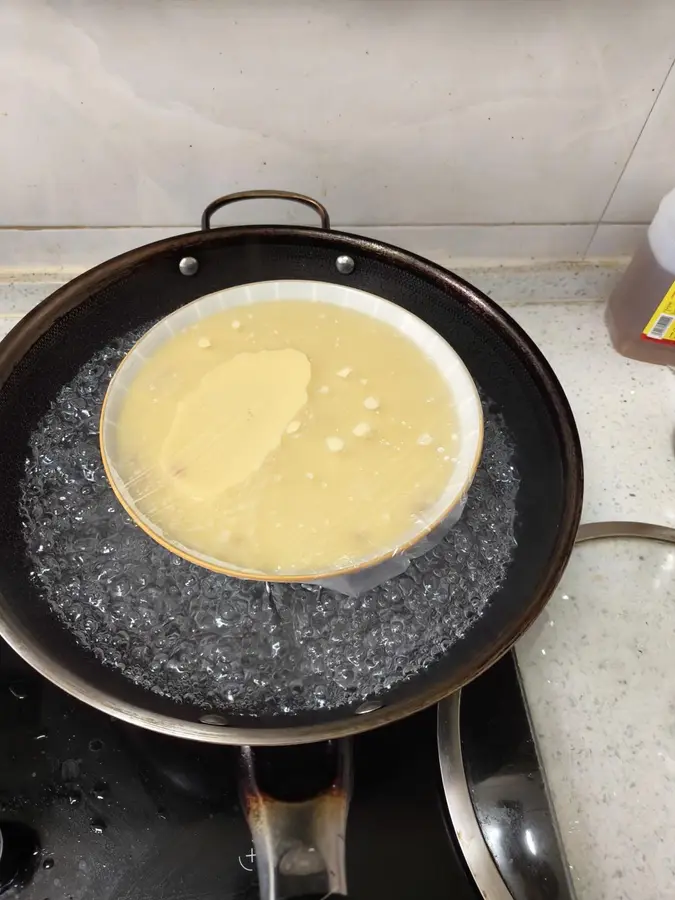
x,y
48,863
96,745
226,645
97,826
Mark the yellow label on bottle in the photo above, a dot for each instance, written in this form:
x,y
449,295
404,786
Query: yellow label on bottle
x,y
661,326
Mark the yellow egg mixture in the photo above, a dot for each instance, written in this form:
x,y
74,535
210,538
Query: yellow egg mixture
x,y
287,437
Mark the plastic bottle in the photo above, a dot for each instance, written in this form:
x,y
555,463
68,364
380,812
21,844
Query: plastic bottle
x,y
640,313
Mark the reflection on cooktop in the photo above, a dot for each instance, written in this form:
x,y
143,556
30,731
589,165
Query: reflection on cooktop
x,y
125,814
95,809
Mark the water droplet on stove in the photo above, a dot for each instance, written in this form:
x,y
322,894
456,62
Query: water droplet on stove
x,y
101,789
41,736
161,812
97,826
48,863
73,797
70,770
96,745
19,690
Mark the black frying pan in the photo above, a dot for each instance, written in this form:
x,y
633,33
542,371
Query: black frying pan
x,y
51,343
299,845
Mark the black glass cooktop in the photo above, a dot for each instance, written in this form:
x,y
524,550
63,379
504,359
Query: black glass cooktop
x,y
93,809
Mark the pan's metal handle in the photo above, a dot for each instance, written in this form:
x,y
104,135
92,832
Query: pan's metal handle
x,y
300,845
265,195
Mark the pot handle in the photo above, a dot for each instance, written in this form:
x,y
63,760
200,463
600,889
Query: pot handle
x,y
319,208
299,845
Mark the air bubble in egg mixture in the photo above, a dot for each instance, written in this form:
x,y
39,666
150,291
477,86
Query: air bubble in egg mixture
x,y
198,637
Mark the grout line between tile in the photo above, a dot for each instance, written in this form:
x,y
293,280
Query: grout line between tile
x,y
630,156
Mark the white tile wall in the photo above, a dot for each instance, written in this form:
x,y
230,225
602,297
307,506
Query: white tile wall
x,y
460,117
651,169
616,240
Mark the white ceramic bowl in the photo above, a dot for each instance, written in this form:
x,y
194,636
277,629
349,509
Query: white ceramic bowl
x,y
466,405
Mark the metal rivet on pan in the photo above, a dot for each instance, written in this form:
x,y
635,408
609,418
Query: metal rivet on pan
x,y
368,707
345,265
188,265
212,719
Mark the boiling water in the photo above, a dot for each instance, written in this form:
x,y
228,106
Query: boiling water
x,y
226,644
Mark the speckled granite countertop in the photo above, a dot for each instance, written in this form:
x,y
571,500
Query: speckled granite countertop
x,y
597,666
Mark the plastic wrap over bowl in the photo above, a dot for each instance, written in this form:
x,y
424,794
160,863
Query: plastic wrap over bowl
x,y
358,574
